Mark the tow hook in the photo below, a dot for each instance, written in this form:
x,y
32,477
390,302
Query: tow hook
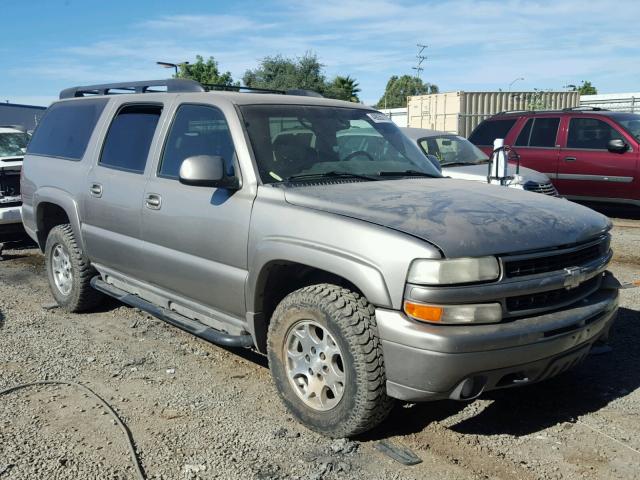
x,y
612,283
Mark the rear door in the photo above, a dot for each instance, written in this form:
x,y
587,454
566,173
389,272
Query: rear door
x,y
537,144
586,168
197,236
485,133
114,189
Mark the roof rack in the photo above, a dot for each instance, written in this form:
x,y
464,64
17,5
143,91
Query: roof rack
x,y
172,85
514,111
585,108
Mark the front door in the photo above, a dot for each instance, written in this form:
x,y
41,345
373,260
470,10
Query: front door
x,y
587,169
197,236
115,188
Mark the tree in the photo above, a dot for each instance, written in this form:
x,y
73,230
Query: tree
x,y
399,88
585,88
205,72
343,88
280,73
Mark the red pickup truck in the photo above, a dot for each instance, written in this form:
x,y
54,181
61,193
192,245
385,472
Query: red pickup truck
x,y
589,154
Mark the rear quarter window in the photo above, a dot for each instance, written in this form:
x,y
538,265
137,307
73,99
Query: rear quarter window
x,y
65,129
489,130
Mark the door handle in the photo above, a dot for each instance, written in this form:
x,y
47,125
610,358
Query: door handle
x,y
153,201
570,159
96,190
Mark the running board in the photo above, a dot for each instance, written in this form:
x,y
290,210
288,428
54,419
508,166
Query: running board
x,y
173,318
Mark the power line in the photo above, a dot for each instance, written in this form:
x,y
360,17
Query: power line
x,y
421,58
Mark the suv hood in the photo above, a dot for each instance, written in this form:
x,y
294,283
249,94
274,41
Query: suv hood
x,y
461,218
479,173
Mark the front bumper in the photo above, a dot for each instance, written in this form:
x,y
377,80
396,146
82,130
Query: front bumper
x,y
429,362
10,215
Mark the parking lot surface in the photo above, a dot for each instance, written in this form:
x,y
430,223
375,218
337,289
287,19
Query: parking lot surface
x,y
199,411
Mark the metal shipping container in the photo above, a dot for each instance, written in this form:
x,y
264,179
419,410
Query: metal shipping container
x,y
397,115
461,112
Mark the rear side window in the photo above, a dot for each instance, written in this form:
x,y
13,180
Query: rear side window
x,y
65,129
539,132
489,130
197,130
128,141
590,133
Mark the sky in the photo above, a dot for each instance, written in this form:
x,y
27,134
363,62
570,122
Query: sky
x,y
48,45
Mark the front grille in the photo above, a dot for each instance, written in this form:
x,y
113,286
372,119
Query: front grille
x,y
558,261
544,188
552,298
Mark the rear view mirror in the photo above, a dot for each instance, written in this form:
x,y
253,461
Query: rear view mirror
x,y
206,171
617,145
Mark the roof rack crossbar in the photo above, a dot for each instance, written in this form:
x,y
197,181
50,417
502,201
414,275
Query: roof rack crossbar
x,y
171,84
585,107
239,88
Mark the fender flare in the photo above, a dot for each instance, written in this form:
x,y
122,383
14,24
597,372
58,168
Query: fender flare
x,y
62,199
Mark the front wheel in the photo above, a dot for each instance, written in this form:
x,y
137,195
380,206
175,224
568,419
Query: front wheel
x,y
69,271
326,360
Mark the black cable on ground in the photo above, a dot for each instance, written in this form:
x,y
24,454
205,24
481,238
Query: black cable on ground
x,y
131,444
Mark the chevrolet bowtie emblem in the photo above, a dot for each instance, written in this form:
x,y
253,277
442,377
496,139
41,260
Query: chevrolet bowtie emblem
x,y
574,277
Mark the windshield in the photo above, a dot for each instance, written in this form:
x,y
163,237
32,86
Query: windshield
x,y
300,140
452,149
13,144
631,123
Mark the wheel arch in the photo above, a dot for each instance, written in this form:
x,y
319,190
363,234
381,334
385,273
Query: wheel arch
x,y
282,269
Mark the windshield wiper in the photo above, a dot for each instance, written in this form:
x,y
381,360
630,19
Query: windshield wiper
x,y
330,174
406,173
463,164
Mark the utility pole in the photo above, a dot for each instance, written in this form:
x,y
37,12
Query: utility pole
x,y
421,58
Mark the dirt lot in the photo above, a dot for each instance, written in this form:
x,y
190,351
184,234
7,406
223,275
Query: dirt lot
x,y
199,411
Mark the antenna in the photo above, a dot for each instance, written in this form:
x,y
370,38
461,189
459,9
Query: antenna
x,y
421,58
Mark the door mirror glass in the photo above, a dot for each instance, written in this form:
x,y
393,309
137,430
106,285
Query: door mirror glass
x,y
206,171
617,145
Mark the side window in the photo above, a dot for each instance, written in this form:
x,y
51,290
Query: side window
x,y
539,132
525,133
128,140
590,133
196,130
489,130
65,129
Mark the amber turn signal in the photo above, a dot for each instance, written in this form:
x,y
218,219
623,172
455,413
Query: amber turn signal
x,y
426,313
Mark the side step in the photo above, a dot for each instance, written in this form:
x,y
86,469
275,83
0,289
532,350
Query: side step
x,y
175,319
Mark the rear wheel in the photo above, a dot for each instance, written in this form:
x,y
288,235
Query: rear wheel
x,y
326,360
69,271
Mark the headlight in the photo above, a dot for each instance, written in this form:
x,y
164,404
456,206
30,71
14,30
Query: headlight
x,y
457,270
454,314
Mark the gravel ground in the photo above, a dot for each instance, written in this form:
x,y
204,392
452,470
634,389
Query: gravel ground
x,y
198,411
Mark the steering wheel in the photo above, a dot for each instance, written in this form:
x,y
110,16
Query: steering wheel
x,y
356,153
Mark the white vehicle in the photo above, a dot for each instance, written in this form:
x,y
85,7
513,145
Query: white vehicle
x,y
461,159
13,145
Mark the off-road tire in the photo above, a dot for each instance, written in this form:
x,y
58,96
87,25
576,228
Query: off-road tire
x,y
82,296
351,321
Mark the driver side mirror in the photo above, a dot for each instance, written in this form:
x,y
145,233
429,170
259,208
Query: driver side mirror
x,y
206,171
436,163
617,145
